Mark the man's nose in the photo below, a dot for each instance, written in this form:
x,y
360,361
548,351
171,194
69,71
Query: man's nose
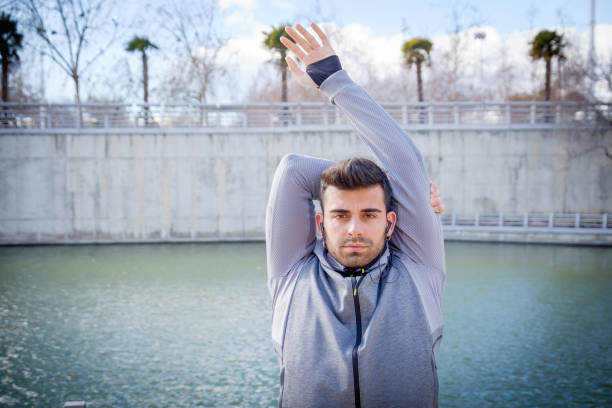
x,y
355,227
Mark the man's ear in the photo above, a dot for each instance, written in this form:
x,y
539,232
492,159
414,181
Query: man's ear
x,y
319,221
391,219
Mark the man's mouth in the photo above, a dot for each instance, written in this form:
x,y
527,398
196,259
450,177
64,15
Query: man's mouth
x,y
354,247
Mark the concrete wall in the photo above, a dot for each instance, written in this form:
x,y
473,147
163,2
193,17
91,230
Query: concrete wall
x,y
198,186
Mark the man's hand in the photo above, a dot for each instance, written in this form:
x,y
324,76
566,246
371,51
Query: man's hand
x,y
307,49
434,199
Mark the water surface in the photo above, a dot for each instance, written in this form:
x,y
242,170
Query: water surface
x,y
189,325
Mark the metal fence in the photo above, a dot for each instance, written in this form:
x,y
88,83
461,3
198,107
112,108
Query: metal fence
x,y
555,225
282,115
545,222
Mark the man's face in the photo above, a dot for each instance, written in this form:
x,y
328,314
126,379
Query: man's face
x,y
355,222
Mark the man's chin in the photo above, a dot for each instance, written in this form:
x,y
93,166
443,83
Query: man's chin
x,y
355,259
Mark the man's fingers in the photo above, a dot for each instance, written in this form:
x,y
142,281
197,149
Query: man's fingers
x,y
293,66
320,33
293,47
301,76
312,42
299,40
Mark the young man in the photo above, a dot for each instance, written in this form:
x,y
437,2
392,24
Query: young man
x,y
356,315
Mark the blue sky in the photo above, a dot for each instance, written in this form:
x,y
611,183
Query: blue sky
x,y
429,18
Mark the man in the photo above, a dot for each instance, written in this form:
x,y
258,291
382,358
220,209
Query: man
x,y
356,315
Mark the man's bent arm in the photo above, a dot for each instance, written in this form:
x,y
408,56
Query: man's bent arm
x,y
419,230
290,225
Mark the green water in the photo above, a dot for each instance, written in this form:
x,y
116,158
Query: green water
x,y
189,325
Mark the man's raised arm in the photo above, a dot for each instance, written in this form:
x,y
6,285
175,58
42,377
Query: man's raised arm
x,y
419,231
290,226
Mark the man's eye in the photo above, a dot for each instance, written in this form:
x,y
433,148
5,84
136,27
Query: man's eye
x,y
339,216
371,215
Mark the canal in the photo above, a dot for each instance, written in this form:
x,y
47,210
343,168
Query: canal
x,y
188,325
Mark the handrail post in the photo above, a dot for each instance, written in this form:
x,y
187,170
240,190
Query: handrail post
x,y
477,220
299,115
508,115
532,119
550,220
42,122
558,114
430,116
604,221
577,223
454,219
135,114
500,220
456,114
525,220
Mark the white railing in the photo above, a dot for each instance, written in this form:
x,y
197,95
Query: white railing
x,y
552,224
548,222
301,115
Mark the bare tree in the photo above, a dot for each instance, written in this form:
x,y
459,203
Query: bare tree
x,y
505,73
115,84
67,27
451,72
192,25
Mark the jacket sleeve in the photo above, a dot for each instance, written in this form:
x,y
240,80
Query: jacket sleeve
x,y
290,225
418,232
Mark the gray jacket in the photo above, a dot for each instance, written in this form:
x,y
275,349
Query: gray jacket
x,y
366,341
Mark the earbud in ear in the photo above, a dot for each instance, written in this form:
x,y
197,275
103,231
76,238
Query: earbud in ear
x,y
388,227
322,230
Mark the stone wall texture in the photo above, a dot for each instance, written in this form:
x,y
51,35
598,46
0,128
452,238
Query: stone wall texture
x,y
154,186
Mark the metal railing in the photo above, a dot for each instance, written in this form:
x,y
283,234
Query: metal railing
x,y
552,224
545,222
283,115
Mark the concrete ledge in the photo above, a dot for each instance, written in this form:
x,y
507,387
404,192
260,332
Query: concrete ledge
x,y
455,235
530,237
15,242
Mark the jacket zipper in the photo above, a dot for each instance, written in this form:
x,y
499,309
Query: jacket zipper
x,y
355,285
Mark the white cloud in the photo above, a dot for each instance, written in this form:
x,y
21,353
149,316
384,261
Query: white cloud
x,y
239,18
284,5
247,51
245,4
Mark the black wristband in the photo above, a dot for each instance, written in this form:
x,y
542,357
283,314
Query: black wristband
x,y
319,71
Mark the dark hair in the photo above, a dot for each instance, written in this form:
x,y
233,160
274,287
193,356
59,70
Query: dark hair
x,y
354,173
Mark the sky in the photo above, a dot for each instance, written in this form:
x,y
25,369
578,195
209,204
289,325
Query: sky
x,y
427,18
375,27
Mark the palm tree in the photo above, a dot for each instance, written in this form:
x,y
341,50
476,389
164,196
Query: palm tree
x,y
10,42
416,51
547,45
142,44
272,41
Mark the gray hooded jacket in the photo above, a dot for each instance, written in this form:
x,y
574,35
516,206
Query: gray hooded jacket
x,y
368,340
